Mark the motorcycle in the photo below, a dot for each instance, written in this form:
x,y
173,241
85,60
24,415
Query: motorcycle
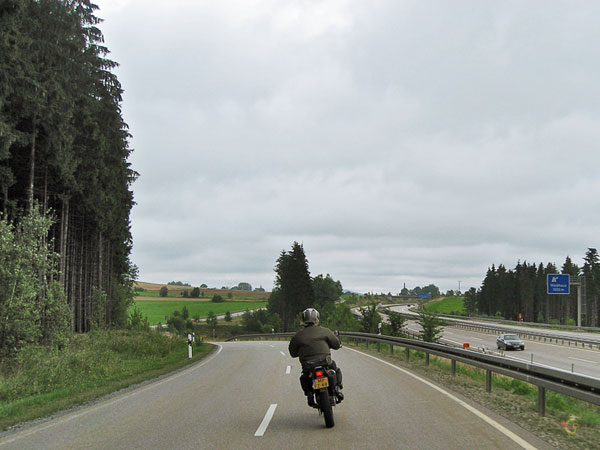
x,y
324,382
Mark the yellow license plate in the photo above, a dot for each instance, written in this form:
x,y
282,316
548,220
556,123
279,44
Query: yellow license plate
x,y
319,383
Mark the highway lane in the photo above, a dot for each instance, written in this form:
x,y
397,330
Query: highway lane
x,y
589,336
220,404
576,359
572,359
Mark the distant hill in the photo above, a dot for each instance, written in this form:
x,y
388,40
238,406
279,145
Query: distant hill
x,y
155,287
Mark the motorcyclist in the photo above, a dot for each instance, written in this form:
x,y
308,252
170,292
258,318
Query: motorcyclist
x,y
312,344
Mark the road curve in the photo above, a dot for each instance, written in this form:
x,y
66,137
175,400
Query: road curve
x,y
248,396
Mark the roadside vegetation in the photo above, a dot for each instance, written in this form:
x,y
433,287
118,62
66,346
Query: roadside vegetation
x,y
42,380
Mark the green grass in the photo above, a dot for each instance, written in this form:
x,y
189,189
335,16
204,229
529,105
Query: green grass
x,y
42,381
156,310
448,305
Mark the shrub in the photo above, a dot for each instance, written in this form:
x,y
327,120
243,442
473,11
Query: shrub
x,y
218,299
164,291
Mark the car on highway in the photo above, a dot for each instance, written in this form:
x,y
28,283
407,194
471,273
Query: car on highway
x,y
510,342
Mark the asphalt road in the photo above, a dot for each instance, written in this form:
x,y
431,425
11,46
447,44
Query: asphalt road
x,y
224,403
572,359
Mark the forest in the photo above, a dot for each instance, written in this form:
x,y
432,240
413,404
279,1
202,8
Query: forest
x,y
522,290
64,170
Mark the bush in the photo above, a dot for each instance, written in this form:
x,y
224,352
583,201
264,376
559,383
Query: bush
x,y
137,320
33,307
195,293
164,291
218,299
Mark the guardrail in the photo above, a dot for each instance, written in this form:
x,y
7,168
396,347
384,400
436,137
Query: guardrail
x,y
528,334
567,383
524,333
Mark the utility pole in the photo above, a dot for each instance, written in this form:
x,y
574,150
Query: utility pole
x,y
459,286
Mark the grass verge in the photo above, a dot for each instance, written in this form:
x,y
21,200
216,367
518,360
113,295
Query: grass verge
x,y
41,382
568,424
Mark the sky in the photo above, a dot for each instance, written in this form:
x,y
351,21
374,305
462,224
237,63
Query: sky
x,y
400,142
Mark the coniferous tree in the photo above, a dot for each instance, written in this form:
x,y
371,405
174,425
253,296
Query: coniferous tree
x,y
293,291
591,272
63,144
569,305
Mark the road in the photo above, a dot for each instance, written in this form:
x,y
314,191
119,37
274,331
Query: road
x,y
224,401
572,359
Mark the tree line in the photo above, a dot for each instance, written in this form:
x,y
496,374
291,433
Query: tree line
x,y
522,291
63,155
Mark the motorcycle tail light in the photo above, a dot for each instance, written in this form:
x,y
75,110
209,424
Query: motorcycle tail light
x,y
319,373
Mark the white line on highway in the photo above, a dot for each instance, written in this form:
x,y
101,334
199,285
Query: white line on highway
x,y
522,442
123,397
585,360
288,370
282,353
265,423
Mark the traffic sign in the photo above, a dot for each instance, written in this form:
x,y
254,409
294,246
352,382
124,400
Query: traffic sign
x,y
559,284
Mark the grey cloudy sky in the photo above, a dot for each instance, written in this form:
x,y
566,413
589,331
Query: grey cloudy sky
x,y
401,142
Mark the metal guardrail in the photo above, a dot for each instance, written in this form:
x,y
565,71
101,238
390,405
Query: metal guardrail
x,y
528,334
578,386
524,333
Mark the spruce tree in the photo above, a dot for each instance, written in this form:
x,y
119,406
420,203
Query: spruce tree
x,y
591,272
293,290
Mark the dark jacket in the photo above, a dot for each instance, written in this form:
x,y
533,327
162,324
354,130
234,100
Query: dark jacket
x,y
312,343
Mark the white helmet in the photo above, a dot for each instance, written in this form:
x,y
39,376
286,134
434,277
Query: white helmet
x,y
310,315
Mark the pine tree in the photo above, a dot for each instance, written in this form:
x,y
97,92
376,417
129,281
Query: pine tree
x,y
591,272
293,290
569,303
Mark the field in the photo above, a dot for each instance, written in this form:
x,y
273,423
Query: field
x,y
448,305
156,309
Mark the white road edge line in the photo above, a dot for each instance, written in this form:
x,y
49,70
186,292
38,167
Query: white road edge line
x,y
517,439
288,370
265,423
585,360
104,405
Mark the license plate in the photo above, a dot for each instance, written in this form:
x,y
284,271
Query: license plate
x,y
319,383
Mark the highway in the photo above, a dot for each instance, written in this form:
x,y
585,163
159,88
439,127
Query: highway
x,y
575,359
246,395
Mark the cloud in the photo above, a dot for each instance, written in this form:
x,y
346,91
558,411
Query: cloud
x,y
415,142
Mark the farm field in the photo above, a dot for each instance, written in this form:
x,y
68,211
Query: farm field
x,y
156,309
151,290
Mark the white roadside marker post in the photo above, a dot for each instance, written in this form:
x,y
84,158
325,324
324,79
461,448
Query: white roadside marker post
x,y
189,346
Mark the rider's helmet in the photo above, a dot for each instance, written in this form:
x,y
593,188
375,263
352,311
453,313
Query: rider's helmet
x,y
310,315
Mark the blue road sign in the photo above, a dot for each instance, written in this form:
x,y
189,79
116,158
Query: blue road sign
x,y
559,284
425,295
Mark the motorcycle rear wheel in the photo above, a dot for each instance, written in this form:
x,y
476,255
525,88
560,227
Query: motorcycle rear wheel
x,y
326,408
